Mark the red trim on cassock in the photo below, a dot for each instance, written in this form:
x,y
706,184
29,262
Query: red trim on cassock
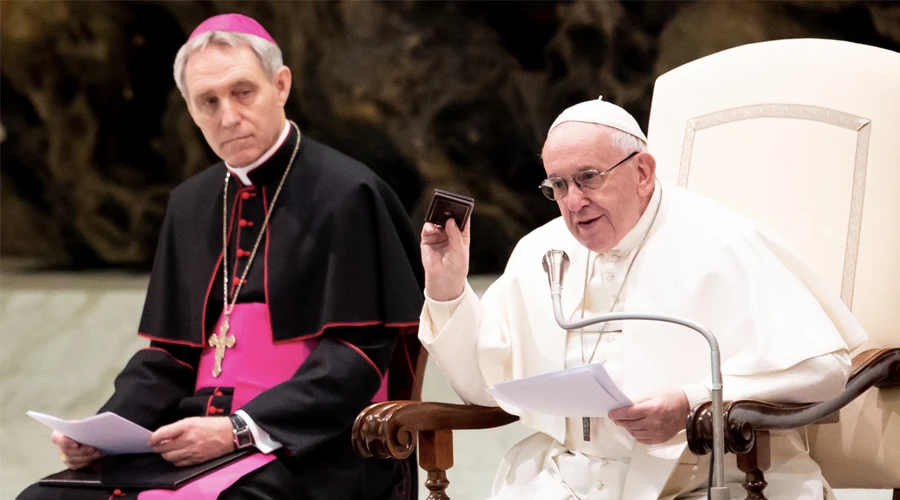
x,y
237,246
212,279
412,369
160,339
327,326
210,410
117,493
402,325
361,353
348,323
170,355
266,261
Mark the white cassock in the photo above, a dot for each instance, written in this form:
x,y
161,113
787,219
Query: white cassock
x,y
783,335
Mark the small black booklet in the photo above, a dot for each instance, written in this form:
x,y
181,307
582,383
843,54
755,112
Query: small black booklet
x,y
445,205
144,471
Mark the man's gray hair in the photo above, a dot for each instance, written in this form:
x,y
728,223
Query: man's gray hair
x,y
626,142
268,53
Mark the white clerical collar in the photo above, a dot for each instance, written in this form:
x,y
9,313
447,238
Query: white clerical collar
x,y
241,172
634,237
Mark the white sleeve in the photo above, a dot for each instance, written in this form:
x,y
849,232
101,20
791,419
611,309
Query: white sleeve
x,y
440,312
261,439
812,380
450,331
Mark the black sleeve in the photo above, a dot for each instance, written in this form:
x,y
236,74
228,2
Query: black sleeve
x,y
321,401
154,381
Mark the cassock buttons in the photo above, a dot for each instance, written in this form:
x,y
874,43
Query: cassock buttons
x,y
242,253
244,223
245,196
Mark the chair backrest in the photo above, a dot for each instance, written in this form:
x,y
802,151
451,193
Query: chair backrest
x,y
804,137
407,369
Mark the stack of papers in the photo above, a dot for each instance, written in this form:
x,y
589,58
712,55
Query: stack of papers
x,y
586,391
108,432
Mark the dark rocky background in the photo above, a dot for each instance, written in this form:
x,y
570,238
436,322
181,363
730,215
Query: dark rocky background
x,y
456,95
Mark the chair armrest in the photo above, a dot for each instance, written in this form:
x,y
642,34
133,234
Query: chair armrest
x,y
389,429
873,368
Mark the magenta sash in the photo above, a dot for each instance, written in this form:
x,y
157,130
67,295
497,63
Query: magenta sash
x,y
254,364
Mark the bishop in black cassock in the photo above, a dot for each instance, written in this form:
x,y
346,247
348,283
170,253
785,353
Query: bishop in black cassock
x,y
332,282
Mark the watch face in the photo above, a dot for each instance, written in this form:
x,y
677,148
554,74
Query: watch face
x,y
243,439
242,435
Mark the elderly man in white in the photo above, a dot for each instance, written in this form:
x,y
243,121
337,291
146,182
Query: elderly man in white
x,y
636,245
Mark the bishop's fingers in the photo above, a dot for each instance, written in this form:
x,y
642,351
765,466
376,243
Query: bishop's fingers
x,y
166,433
74,448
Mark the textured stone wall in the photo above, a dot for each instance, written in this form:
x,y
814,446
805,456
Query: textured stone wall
x,y
429,94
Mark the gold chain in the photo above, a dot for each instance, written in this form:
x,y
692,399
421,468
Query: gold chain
x,y
229,307
621,287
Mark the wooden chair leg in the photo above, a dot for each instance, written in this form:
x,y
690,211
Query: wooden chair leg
x,y
435,457
753,464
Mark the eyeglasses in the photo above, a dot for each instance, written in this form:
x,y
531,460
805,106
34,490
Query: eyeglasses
x,y
556,188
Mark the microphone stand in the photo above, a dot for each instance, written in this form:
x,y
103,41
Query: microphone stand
x,y
555,263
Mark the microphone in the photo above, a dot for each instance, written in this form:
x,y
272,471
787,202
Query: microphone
x,y
555,263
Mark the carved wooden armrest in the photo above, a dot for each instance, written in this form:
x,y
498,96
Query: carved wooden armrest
x,y
386,430
876,367
747,422
392,429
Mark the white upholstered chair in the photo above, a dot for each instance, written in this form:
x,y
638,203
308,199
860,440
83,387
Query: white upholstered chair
x,y
804,136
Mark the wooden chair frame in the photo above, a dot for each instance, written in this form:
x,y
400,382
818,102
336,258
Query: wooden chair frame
x,y
393,429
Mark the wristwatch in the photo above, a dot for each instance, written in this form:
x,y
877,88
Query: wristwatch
x,y
242,435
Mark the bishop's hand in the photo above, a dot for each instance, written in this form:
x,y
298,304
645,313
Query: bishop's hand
x,y
654,420
193,440
445,257
74,454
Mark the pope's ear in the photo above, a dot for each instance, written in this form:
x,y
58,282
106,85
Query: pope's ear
x,y
646,166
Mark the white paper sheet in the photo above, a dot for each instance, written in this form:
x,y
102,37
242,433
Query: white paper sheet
x,y
108,432
585,391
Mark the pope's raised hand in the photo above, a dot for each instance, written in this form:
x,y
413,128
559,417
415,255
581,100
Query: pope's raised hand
x,y
445,257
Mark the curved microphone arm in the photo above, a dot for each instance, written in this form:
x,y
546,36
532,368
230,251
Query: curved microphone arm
x,y
555,263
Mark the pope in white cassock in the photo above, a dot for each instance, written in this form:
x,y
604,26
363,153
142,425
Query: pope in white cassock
x,y
636,245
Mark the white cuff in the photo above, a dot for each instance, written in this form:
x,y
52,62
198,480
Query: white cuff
x,y
261,439
697,394
441,312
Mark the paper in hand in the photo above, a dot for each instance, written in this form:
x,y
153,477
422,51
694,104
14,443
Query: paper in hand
x,y
585,391
108,432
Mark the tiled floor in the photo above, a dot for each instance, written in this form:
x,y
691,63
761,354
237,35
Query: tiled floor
x,y
64,336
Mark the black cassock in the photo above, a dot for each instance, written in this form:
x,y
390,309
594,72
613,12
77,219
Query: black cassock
x,y
339,261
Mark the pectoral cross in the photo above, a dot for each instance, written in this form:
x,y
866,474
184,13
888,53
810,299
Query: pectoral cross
x,y
586,428
221,342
